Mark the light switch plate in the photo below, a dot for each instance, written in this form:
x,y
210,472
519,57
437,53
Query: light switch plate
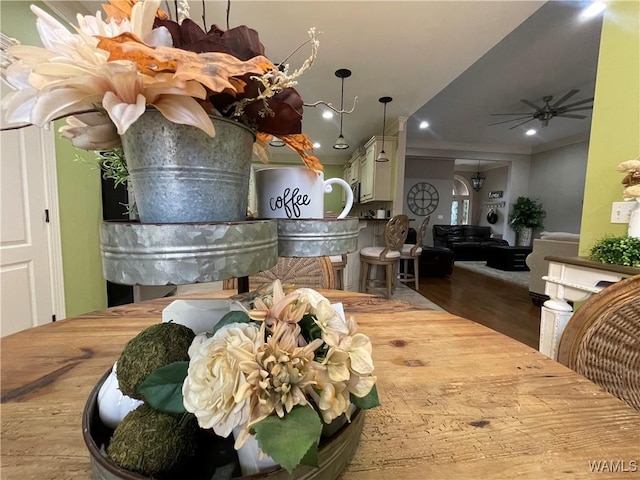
x,y
621,212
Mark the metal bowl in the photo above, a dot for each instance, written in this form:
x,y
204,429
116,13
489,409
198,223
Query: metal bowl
x,y
217,459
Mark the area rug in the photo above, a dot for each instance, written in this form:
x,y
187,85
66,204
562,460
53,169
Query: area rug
x,y
519,278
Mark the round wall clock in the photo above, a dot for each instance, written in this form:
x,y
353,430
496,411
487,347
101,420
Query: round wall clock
x,y
422,198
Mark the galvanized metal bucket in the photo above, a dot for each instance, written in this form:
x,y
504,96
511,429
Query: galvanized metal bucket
x,y
180,174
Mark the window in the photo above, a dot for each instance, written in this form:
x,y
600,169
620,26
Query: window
x,y
461,204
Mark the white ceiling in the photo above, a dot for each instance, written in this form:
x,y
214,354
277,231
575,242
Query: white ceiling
x,y
446,61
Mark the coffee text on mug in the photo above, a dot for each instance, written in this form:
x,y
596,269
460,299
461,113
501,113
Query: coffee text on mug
x,y
290,201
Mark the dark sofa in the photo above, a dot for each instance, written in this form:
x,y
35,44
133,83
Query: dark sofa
x,y
467,242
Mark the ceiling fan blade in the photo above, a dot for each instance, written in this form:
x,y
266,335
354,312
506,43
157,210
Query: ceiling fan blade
x,y
580,117
570,94
530,104
526,121
574,104
563,110
511,120
521,113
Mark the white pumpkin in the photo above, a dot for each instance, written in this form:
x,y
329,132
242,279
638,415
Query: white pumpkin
x,y
113,405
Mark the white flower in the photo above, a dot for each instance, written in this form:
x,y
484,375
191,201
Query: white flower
x,y
91,131
215,390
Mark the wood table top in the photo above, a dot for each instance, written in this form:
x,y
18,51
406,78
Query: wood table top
x,y
458,400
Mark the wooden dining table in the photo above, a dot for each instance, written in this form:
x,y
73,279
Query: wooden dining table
x,y
458,400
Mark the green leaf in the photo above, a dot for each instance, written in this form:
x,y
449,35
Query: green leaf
x,y
288,440
163,388
370,400
229,318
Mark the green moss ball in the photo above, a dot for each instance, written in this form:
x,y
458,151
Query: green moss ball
x,y
153,443
154,347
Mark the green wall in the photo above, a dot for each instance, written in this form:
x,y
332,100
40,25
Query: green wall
x,y
80,202
615,127
79,193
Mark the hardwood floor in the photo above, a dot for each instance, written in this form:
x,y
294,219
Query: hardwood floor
x,y
499,305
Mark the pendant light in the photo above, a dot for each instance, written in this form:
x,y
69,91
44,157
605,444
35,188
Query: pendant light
x,y
382,156
478,180
342,73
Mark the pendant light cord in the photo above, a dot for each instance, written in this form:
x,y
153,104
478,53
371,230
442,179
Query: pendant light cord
x,y
341,103
384,123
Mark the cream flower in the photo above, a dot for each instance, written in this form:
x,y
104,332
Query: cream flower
x,y
216,389
278,375
91,131
333,397
278,307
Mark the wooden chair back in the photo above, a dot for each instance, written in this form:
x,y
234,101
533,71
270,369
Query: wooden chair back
x,y
602,340
422,230
395,234
312,272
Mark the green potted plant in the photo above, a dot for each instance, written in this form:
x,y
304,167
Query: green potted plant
x,y
624,250
525,216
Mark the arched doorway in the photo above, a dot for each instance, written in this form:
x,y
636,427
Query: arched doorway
x,y
461,203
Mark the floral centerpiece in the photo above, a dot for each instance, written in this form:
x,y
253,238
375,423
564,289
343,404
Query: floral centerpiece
x,y
273,372
104,76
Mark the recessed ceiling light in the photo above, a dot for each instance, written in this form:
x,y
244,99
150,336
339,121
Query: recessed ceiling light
x,y
596,8
530,132
316,145
327,114
424,124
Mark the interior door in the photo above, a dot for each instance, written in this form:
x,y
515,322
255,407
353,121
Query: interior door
x,y
26,282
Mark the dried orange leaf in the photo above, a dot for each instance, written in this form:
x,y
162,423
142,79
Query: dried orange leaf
x,y
300,143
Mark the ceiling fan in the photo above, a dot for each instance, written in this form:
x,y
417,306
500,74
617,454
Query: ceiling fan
x,y
549,110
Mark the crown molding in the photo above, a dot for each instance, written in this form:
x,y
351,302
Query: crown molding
x,y
562,142
470,147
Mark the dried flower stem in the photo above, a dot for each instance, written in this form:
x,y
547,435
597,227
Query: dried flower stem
x,y
275,81
320,102
204,15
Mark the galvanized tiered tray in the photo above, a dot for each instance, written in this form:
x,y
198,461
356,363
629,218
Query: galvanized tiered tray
x,y
185,253
317,237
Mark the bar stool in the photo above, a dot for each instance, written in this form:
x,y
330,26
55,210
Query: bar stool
x,y
338,263
395,233
413,252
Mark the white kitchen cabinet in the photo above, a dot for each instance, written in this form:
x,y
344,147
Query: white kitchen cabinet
x,y
375,177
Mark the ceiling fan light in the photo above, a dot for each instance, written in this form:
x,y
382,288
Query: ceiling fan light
x,y
530,132
341,143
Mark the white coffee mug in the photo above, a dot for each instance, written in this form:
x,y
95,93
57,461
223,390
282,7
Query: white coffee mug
x,y
295,192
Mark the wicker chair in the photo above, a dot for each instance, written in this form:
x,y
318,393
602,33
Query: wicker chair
x,y
602,340
312,272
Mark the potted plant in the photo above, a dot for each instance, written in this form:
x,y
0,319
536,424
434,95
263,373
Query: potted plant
x,y
211,96
623,250
525,216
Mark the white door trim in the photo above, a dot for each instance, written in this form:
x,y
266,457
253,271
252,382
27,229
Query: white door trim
x,y
54,236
